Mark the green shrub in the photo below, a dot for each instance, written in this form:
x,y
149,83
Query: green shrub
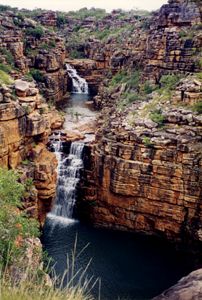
x,y
28,77
36,32
4,8
61,20
48,45
26,161
147,141
5,78
148,88
198,107
119,77
169,81
157,117
5,68
84,13
74,53
14,224
37,75
8,56
133,79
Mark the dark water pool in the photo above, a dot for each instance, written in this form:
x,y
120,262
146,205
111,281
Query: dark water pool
x,y
130,266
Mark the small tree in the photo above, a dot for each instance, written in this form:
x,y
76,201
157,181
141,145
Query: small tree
x,y
14,224
36,32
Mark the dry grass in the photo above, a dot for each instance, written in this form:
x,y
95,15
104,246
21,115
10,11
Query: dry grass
x,y
37,285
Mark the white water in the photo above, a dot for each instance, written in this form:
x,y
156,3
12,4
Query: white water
x,y
80,85
69,168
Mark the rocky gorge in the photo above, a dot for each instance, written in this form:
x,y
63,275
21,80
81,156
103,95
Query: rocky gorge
x,y
143,170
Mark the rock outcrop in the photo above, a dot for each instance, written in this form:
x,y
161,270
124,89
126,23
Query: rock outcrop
x,y
25,124
145,171
34,50
189,288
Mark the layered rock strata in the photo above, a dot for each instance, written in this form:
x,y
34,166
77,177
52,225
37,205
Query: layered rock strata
x,y
25,124
144,177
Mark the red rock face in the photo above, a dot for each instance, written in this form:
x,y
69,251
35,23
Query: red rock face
x,y
24,128
142,177
152,189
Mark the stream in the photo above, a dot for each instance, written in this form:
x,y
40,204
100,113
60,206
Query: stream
x,y
129,266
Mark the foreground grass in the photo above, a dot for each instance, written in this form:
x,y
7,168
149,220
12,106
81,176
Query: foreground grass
x,y
38,286
41,293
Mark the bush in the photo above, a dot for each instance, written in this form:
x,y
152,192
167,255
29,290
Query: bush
x,y
74,53
5,68
198,107
169,81
147,141
133,79
157,117
14,224
36,32
61,20
37,75
118,78
8,56
4,8
148,88
5,78
49,45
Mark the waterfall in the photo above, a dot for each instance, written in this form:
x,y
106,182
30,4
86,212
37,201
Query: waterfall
x,y
80,85
68,178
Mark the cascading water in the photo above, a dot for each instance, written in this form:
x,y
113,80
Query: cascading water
x,y
68,166
80,85
68,178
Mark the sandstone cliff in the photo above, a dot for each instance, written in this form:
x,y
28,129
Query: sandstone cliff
x,y
25,123
145,169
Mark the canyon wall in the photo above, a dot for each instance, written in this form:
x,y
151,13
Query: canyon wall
x,y
25,124
143,176
34,51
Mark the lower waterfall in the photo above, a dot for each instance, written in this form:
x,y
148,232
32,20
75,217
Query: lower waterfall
x,y
69,168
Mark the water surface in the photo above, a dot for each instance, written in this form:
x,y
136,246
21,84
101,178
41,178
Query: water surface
x,y
130,266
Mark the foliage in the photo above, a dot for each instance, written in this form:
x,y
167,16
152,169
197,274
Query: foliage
x,y
25,162
147,141
28,77
5,68
36,32
169,81
14,224
145,24
84,13
157,117
5,78
8,56
131,79
75,54
148,88
61,19
198,107
4,8
18,20
186,35
37,75
118,78
51,44
199,75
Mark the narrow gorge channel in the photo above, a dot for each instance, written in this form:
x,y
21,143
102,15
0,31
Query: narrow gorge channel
x,y
129,266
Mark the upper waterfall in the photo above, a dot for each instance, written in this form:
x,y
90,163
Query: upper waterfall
x,y
80,85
